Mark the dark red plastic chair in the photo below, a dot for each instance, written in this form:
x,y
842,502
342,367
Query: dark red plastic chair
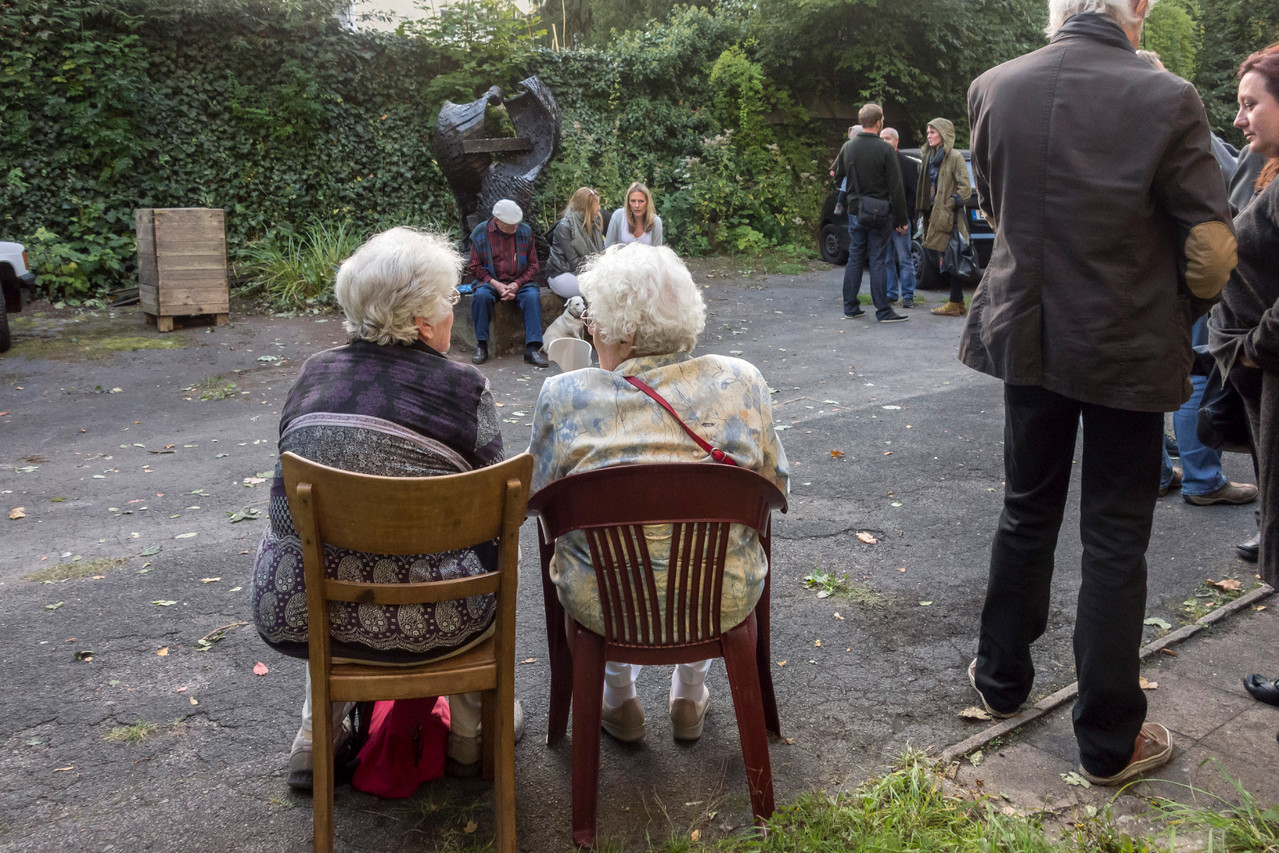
x,y
610,505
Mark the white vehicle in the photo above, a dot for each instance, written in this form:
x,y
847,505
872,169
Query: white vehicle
x,y
15,277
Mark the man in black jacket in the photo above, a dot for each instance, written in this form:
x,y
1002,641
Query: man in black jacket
x,y
901,262
871,166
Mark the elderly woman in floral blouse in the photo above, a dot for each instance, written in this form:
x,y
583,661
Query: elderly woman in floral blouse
x,y
645,316
388,403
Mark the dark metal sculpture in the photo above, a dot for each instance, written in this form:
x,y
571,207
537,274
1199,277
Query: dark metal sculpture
x,y
466,154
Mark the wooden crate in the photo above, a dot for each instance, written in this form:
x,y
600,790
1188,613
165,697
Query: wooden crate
x,y
182,268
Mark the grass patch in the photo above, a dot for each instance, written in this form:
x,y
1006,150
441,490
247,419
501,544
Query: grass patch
x,y
135,734
296,270
831,585
282,802
213,388
76,569
1205,599
90,347
1245,827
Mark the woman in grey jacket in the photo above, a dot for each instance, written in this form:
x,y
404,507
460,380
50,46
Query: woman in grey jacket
x,y
578,235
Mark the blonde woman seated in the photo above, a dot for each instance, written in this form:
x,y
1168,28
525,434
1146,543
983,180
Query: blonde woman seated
x,y
645,316
637,221
578,235
388,403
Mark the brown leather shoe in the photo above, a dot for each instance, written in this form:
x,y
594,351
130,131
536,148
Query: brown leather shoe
x,y
1152,749
1230,493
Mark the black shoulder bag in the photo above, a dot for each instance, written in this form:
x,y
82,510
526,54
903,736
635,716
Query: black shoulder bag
x,y
873,214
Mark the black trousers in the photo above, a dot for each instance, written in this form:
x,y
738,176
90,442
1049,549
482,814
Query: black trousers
x,y
1119,486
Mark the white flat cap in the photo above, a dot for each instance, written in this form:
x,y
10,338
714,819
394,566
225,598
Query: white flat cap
x,y
508,212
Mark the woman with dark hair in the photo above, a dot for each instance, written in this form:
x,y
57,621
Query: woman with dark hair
x,y
1244,326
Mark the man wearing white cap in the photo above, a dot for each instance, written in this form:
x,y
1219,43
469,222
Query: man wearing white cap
x,y
503,266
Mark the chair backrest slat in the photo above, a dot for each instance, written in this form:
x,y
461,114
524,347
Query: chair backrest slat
x,y
700,501
411,593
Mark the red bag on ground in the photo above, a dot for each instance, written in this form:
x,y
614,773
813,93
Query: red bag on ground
x,y
406,744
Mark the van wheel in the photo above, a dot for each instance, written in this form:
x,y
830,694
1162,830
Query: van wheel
x,y
831,251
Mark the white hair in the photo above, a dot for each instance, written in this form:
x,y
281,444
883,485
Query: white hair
x,y
1060,11
888,131
397,275
644,293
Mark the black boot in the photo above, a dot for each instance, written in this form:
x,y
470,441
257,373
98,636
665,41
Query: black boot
x,y
481,352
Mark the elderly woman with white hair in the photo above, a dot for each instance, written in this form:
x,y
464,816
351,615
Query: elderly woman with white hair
x,y
645,316
387,403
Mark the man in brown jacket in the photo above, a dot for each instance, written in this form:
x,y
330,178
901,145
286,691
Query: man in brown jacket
x,y
1112,234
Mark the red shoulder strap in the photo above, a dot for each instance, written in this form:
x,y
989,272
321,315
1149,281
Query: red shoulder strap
x,y
716,454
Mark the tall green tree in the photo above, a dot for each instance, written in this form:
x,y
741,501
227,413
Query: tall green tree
x,y
1172,31
1232,29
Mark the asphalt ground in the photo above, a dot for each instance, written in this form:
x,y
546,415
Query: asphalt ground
x,y
111,456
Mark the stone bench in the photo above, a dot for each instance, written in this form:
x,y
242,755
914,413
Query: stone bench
x,y
506,330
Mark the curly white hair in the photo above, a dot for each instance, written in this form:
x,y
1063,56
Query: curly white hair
x,y
395,276
645,294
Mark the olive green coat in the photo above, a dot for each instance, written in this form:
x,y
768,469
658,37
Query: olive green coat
x,y
951,178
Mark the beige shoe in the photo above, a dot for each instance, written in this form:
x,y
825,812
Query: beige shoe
x,y
1152,749
687,716
462,754
625,721
950,309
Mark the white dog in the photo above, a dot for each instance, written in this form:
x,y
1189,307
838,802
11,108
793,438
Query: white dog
x,y
569,324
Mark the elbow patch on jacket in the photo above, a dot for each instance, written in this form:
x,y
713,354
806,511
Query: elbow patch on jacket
x,y
1210,256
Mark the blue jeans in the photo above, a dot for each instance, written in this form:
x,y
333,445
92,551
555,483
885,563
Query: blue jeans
x,y
901,268
528,297
1200,465
860,242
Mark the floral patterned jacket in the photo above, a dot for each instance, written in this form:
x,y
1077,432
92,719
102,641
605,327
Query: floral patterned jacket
x,y
592,418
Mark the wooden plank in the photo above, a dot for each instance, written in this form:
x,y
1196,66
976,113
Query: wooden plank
x,y
194,281
494,146
192,306
214,245
174,267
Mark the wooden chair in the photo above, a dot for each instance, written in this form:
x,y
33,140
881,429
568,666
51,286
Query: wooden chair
x,y
611,505
413,515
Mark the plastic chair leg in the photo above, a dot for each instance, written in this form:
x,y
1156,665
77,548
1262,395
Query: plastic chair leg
x,y
743,679
764,663
588,698
561,660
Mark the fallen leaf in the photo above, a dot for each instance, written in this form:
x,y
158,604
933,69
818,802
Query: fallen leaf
x,y
1073,778
210,580
866,537
840,618
781,663
184,536
164,652
835,454
182,689
1169,652
259,668
192,699
977,758
164,603
925,604
60,769
1227,584
1146,684
470,827
695,835
17,512
529,660
1156,622
817,643
84,655
54,606
151,550
976,714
